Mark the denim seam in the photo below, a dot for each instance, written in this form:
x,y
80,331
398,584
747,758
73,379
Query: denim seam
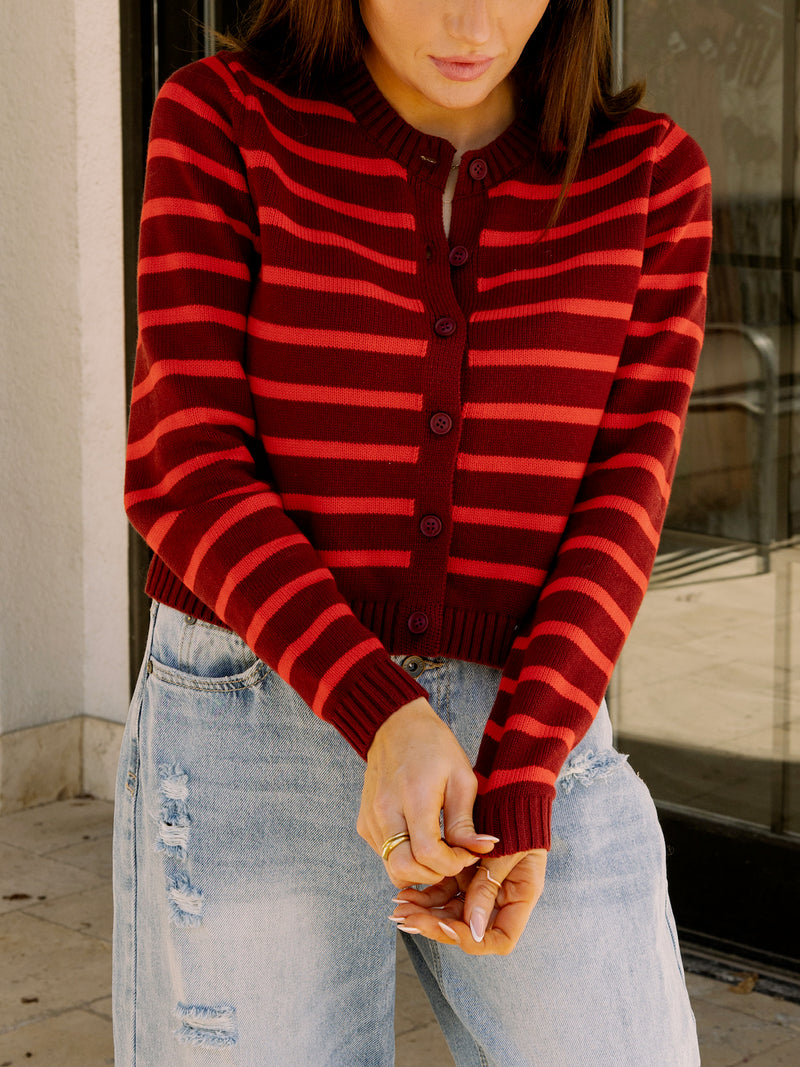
x,y
248,680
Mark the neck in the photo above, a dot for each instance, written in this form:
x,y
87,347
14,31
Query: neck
x,y
466,128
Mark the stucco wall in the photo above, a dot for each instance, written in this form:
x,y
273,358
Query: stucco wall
x,y
63,560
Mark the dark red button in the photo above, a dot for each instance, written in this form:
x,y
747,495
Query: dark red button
x,y
418,622
441,422
431,525
478,169
445,327
458,256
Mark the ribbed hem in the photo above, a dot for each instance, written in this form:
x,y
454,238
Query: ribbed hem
x,y
165,587
378,690
519,815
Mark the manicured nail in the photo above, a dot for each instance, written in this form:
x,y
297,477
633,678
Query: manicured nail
x,y
397,900
477,924
409,929
473,859
487,837
449,931
396,919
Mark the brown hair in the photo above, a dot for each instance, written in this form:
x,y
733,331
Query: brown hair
x,y
564,73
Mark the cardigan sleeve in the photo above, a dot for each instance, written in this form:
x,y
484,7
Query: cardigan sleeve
x,y
195,484
560,663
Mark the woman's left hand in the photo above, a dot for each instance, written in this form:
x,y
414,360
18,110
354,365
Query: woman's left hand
x,y
485,908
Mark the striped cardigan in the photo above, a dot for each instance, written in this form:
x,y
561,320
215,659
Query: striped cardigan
x,y
352,437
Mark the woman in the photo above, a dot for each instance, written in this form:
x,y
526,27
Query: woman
x,y
420,305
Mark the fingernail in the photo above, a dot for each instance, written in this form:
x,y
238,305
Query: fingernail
x,y
487,837
473,859
477,924
409,929
397,900
449,931
396,919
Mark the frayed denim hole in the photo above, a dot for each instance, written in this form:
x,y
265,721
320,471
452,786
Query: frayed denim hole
x,y
185,901
173,834
587,767
207,1027
174,782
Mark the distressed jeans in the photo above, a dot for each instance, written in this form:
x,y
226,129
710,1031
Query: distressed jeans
x,y
251,921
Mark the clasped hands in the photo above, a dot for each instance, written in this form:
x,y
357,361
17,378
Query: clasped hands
x,y
417,771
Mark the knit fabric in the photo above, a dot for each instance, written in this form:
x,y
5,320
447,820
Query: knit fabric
x,y
353,437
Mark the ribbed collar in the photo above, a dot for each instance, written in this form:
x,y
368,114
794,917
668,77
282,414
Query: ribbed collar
x,y
422,155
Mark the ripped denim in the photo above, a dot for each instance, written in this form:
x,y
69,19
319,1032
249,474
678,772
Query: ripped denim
x,y
251,920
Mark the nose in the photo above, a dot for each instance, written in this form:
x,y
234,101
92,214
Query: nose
x,y
469,22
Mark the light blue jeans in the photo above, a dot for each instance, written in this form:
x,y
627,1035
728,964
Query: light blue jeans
x,y
251,921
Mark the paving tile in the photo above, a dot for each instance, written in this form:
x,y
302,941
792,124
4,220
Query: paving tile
x,y
787,1055
49,967
101,1007
26,878
56,825
90,912
425,1045
72,1039
727,1037
92,855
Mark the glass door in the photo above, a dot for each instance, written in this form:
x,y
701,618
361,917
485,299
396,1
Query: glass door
x,y
706,697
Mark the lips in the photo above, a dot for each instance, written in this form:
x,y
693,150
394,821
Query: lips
x,y
462,68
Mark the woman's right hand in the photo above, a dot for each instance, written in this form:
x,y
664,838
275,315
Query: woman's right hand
x,y
416,769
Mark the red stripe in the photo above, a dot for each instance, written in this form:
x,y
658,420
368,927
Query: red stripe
x,y
517,238
530,191
526,724
183,470
613,257
594,592
615,421
378,166
336,673
519,520
647,372
625,131
365,558
603,309
173,91
401,220
279,599
538,673
247,564
190,368
193,261
570,632
271,217
504,572
173,207
307,639
688,231
674,324
534,413
188,417
340,339
324,283
629,507
608,548
334,394
499,778
350,450
542,357
241,510
161,148
670,282
348,505
635,461
301,104
531,465
192,314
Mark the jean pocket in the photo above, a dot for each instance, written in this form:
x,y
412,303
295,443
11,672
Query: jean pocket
x,y
198,655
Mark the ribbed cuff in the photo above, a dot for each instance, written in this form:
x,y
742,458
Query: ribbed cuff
x,y
519,815
378,689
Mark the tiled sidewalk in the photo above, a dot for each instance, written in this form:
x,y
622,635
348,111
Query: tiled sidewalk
x,y
55,961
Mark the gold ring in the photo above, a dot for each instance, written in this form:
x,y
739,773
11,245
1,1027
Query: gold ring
x,y
391,843
492,880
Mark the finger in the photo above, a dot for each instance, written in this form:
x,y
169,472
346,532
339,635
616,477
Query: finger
x,y
403,868
480,901
459,829
429,848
